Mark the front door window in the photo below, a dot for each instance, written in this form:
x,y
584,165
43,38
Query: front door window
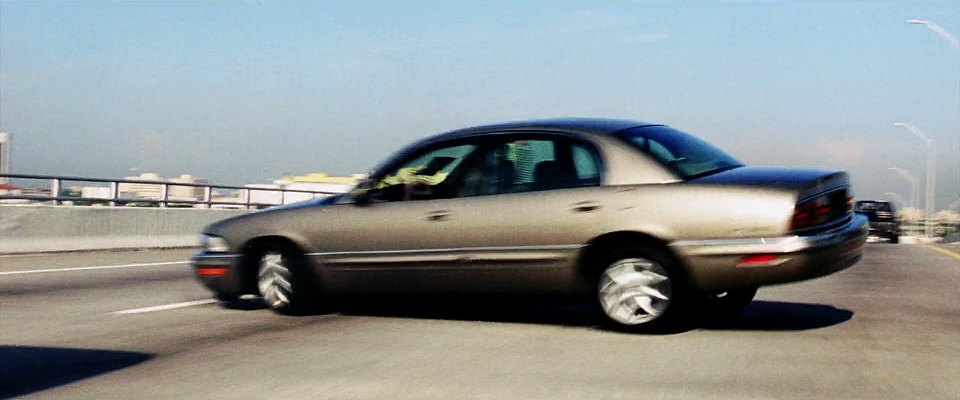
x,y
424,177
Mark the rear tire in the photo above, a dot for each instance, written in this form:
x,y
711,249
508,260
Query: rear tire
x,y
283,280
895,239
640,289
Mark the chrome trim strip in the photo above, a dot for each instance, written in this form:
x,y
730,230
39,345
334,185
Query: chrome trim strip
x,y
215,256
442,267
786,244
388,259
381,253
856,228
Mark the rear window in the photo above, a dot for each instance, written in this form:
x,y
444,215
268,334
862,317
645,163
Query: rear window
x,y
684,154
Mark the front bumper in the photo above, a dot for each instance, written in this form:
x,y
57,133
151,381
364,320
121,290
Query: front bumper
x,y
219,272
717,265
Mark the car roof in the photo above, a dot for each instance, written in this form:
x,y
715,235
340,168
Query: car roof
x,y
595,126
572,125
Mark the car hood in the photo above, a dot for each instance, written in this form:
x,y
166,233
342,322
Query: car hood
x,y
305,203
218,227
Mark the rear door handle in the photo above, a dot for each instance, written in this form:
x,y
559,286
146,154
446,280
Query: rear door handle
x,y
438,216
585,206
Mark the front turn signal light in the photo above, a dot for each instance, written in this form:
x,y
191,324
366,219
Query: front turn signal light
x,y
211,271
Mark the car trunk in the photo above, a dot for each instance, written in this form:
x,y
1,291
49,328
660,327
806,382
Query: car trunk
x,y
824,198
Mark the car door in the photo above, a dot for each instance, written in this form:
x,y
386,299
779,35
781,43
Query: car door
x,y
523,213
397,235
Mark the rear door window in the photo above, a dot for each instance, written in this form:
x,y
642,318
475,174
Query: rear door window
x,y
531,164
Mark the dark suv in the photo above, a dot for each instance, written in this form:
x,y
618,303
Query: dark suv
x,y
882,217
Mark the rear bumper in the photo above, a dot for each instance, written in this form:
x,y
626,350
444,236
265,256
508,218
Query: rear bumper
x,y
884,228
715,265
219,272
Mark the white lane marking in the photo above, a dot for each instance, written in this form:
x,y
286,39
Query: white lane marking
x,y
163,307
40,271
29,255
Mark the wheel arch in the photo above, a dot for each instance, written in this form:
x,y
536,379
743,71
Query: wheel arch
x,y
598,247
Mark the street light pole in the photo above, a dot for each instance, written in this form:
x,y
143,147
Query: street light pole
x,y
943,33
954,42
914,186
931,176
898,198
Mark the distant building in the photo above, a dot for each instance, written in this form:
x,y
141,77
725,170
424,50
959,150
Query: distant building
x,y
192,193
319,182
95,192
141,190
9,189
153,191
5,145
264,196
314,182
319,177
35,191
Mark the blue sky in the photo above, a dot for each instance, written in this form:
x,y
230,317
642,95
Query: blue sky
x,y
244,91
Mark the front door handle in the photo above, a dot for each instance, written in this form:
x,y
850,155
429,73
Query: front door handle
x,y
585,206
438,216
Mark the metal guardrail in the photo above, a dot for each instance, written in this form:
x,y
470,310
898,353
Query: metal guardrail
x,y
163,200
940,228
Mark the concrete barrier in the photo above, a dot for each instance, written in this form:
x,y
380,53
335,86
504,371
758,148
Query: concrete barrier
x,y
33,228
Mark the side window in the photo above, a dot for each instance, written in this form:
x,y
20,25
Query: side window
x,y
424,177
506,168
528,155
585,162
528,165
660,152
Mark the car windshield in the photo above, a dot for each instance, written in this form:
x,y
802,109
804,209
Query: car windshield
x,y
868,206
682,153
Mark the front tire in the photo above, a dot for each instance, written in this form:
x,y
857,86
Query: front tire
x,y
226,297
640,289
282,279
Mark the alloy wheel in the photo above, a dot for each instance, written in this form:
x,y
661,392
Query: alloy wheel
x,y
273,280
634,291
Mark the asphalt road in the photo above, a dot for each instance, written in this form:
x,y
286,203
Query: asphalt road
x,y
887,328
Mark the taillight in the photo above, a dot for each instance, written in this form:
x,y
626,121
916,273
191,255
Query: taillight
x,y
811,212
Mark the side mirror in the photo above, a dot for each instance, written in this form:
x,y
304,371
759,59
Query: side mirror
x,y
360,197
361,193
